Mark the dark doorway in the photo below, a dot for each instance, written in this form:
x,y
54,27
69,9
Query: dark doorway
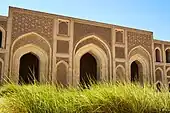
x,y
158,58
88,69
29,69
168,56
134,72
1,38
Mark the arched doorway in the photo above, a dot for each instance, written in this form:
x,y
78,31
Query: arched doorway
x,y
136,72
158,55
88,69
29,69
167,56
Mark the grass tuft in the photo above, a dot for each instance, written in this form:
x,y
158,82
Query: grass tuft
x,y
105,97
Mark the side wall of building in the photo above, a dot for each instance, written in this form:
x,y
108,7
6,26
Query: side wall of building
x,y
161,62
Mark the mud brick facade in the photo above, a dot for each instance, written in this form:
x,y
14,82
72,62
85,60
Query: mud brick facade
x,y
63,49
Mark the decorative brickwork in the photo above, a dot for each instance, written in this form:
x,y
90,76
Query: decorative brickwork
x,y
32,39
62,46
27,22
81,30
119,52
94,41
137,38
60,42
139,51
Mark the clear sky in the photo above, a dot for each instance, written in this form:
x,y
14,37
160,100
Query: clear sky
x,y
153,15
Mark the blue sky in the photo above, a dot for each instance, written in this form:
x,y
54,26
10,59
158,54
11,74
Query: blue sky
x,y
153,15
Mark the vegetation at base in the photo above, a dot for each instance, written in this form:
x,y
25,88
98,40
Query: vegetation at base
x,y
100,98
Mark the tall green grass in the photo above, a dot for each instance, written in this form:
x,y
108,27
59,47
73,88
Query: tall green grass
x,y
107,97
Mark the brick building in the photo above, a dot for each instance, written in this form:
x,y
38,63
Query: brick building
x,y
68,50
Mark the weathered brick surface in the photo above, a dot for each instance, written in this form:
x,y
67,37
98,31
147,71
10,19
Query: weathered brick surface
x,y
32,39
94,41
25,22
143,39
81,30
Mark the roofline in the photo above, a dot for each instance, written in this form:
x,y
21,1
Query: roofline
x,y
161,41
78,19
3,17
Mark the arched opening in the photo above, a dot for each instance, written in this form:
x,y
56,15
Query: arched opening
x,y
158,74
29,69
168,73
158,55
62,74
136,72
88,69
1,36
120,75
143,60
119,36
159,79
168,56
63,28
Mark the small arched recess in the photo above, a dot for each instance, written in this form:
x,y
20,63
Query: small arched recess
x,y
61,73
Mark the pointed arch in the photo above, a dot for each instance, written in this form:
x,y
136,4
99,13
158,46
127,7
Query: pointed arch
x,y
40,53
159,75
99,55
61,73
29,68
100,40
30,33
2,40
120,73
168,72
167,54
141,55
140,48
158,54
